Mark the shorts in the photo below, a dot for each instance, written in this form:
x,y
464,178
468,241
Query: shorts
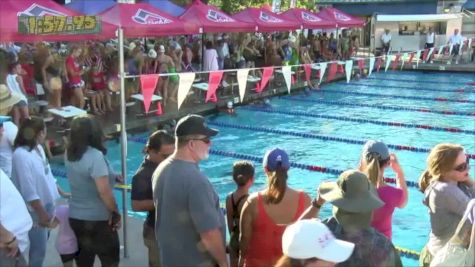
x,y
68,257
76,85
21,104
429,45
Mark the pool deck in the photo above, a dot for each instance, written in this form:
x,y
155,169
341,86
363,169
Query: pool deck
x,y
138,254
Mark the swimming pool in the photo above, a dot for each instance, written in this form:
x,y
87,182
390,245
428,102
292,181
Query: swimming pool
x,y
323,133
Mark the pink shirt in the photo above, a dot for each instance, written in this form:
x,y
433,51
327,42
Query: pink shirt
x,y
382,217
66,243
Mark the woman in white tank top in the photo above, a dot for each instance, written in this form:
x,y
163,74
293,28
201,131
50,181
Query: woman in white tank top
x,y
15,85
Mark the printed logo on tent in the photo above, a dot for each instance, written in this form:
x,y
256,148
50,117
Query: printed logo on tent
x,y
310,17
269,18
340,16
146,17
38,10
218,16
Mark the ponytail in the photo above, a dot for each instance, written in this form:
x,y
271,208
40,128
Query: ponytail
x,y
277,185
372,170
425,180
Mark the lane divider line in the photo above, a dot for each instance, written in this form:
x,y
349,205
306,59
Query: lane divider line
x,y
318,136
436,99
386,107
342,118
458,90
412,81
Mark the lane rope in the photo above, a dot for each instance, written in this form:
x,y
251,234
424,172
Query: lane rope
x,y
342,118
436,99
458,90
415,81
318,136
385,107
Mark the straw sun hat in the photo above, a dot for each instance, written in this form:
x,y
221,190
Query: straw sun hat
x,y
7,100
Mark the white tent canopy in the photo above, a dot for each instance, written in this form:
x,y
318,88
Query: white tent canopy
x,y
419,17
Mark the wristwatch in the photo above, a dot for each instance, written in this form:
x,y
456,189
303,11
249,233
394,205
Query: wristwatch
x,y
315,203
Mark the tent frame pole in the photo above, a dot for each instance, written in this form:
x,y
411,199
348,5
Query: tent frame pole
x,y
123,139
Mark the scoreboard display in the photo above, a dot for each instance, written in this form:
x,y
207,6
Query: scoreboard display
x,y
59,25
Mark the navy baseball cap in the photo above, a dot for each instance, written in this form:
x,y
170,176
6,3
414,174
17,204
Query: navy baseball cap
x,y
275,159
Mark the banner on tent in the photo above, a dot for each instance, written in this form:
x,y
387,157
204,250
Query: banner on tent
x,y
38,25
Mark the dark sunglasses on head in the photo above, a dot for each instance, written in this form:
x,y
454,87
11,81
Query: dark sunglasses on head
x,y
463,166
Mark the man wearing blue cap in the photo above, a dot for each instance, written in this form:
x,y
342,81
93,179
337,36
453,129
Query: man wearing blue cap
x,y
189,223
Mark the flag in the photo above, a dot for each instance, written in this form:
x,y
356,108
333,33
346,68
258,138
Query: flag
x,y
148,84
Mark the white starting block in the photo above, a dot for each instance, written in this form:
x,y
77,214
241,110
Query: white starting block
x,y
201,86
67,112
253,79
139,97
280,71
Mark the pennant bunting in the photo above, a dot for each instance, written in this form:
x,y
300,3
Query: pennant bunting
x,y
242,75
332,71
361,64
371,65
396,61
418,56
323,68
159,109
213,83
266,74
441,48
308,71
425,54
470,43
431,51
186,81
451,47
378,64
287,73
348,69
411,56
403,59
388,61
148,84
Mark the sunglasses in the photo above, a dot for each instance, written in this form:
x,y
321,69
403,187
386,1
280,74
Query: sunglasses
x,y
205,140
463,166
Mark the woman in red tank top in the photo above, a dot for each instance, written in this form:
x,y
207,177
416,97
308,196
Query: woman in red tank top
x,y
266,214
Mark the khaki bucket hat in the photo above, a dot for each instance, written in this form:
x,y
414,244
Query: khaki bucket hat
x,y
7,100
352,192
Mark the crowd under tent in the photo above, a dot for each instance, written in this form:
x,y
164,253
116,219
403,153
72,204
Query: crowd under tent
x,y
266,20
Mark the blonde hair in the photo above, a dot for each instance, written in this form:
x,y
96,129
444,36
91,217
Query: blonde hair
x,y
373,167
440,160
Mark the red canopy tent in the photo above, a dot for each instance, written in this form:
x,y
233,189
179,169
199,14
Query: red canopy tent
x,y
11,9
340,18
210,19
266,20
308,19
142,20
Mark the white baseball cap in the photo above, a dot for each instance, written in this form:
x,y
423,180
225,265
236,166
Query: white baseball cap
x,y
308,239
161,48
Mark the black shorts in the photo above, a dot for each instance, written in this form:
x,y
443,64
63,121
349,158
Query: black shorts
x,y
455,49
68,257
429,45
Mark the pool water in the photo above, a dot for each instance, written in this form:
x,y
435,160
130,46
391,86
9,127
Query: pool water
x,y
411,225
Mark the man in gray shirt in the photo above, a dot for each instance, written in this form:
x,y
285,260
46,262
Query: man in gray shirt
x,y
189,223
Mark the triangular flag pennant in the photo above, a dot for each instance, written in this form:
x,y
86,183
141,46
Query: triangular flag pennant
x,y
441,48
213,83
242,82
396,61
451,47
403,59
371,65
470,43
186,80
332,71
159,109
418,56
388,61
287,73
348,69
378,64
323,68
431,51
425,54
411,56
148,84
361,64
308,71
266,74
